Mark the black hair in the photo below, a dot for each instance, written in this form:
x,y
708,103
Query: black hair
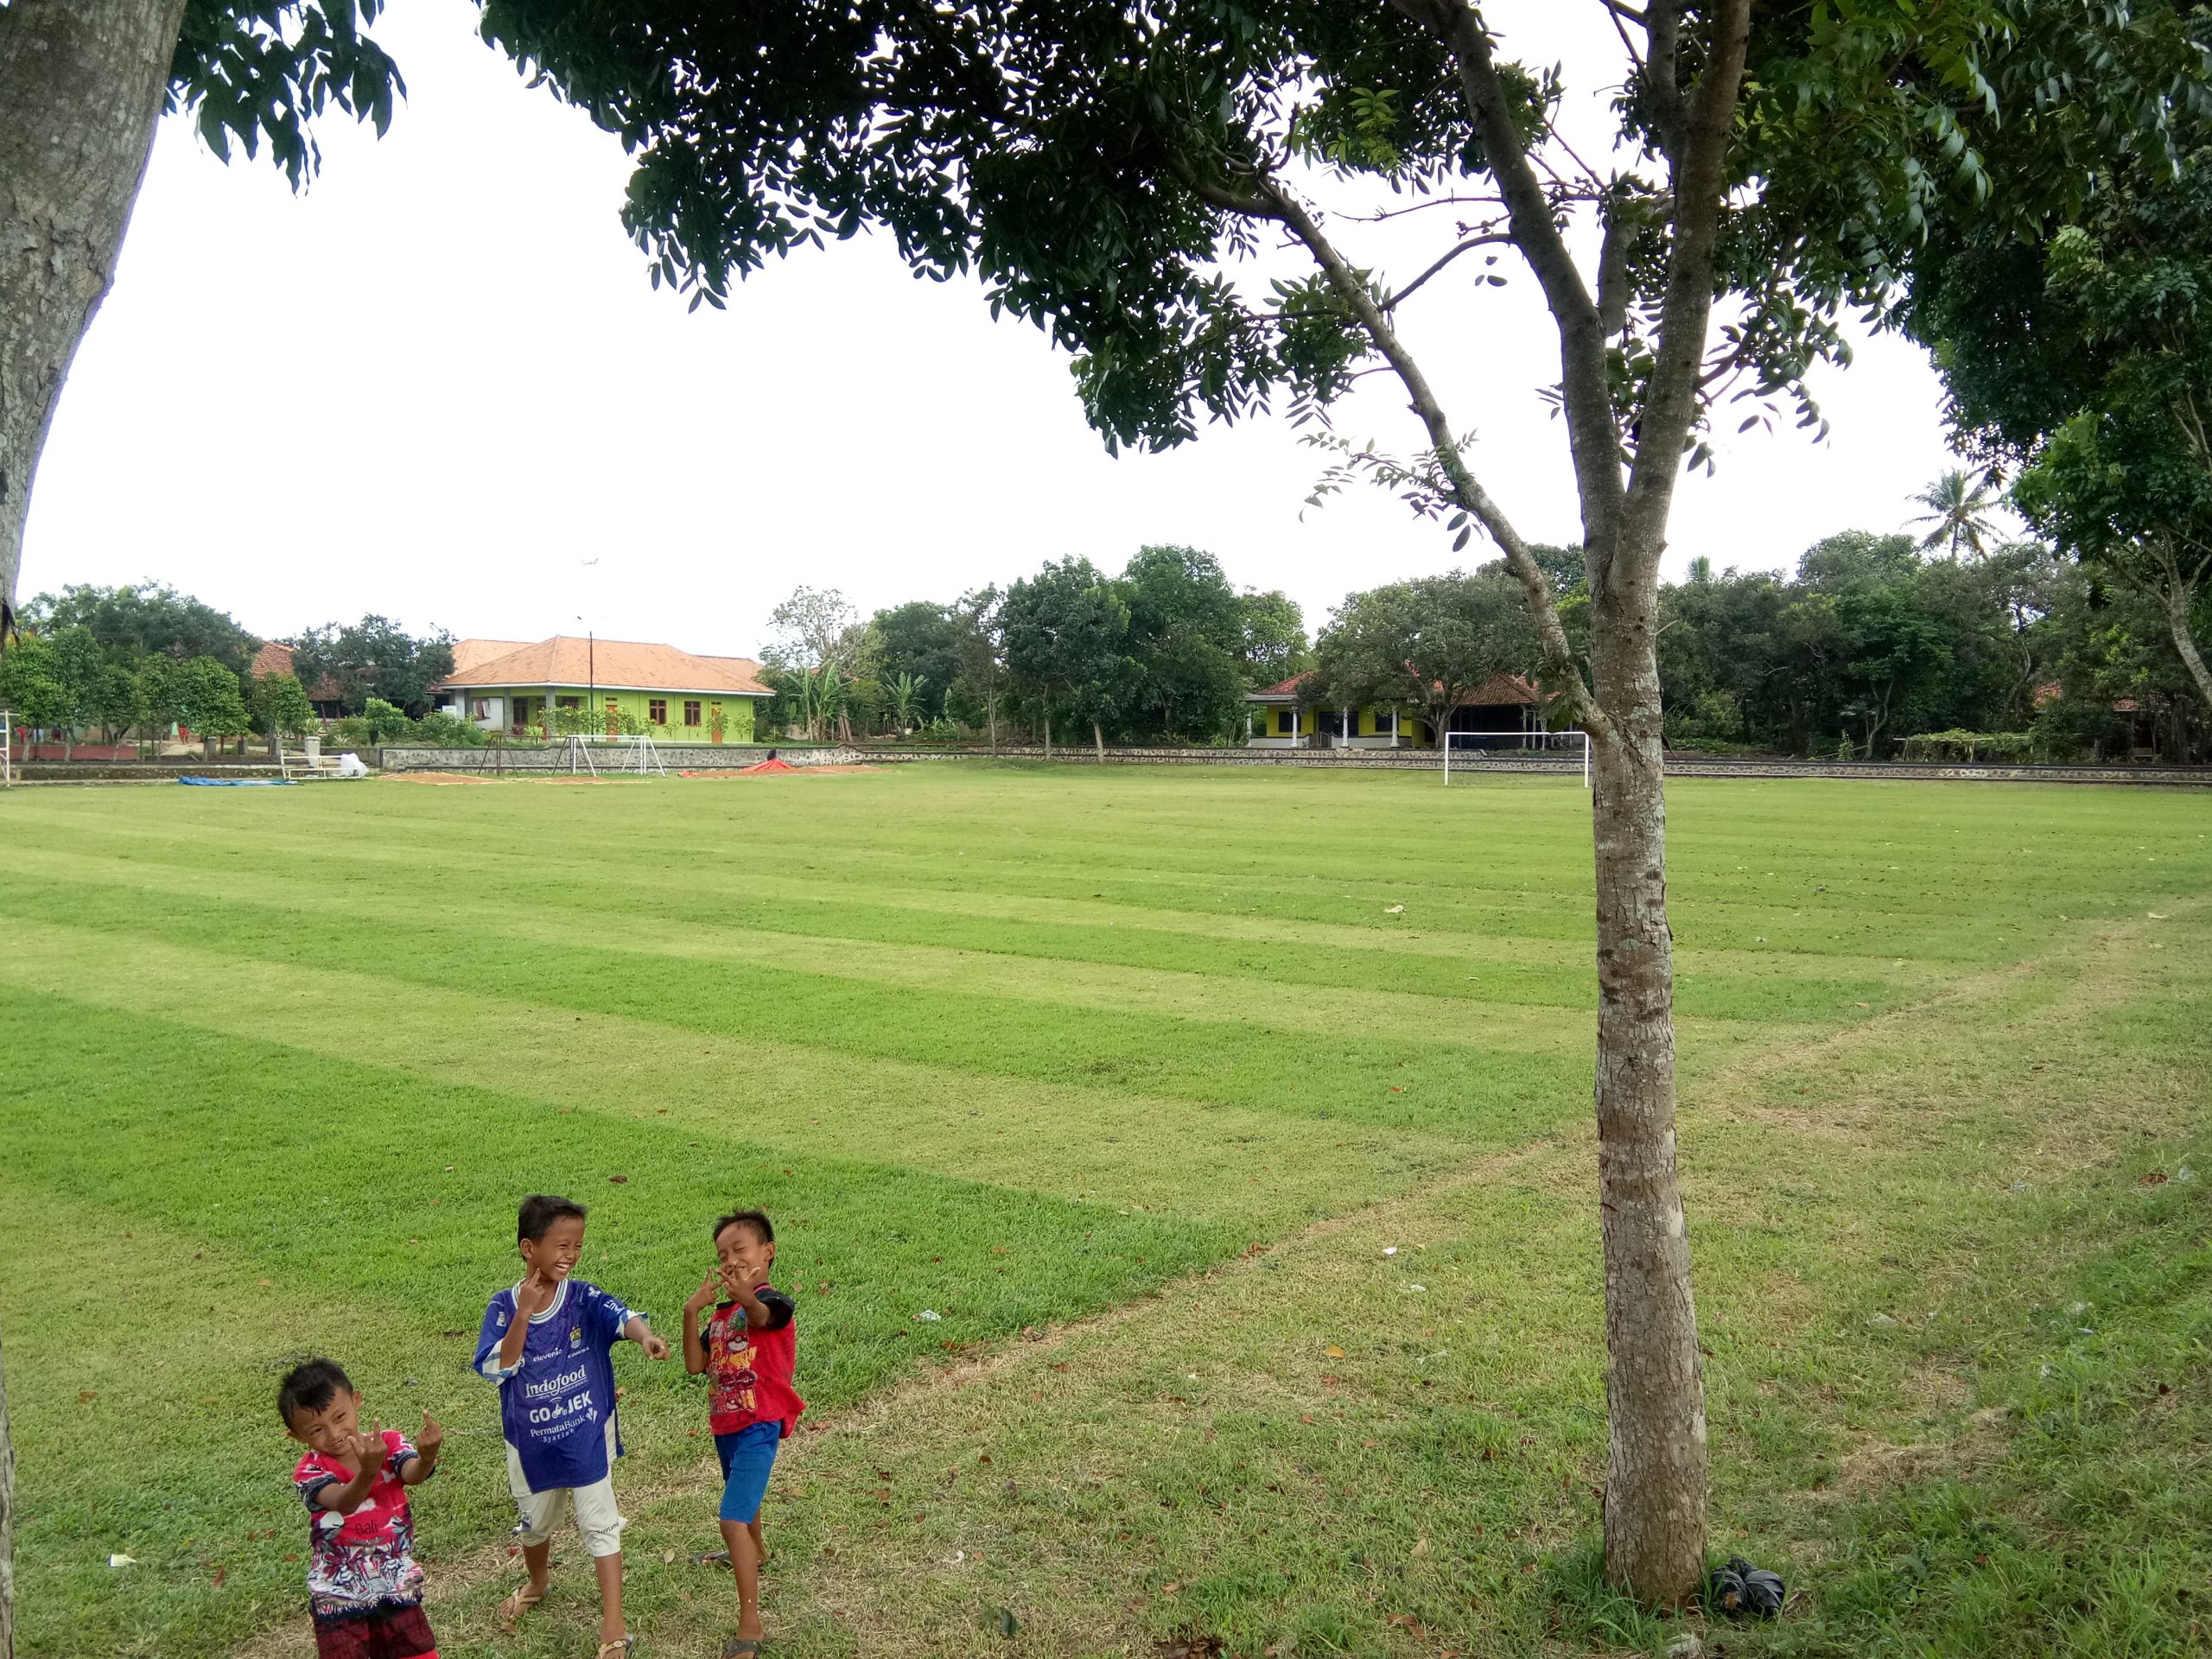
x,y
310,1386
756,1219
538,1213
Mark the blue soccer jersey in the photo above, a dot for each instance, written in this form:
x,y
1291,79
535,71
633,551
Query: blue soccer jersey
x,y
556,1407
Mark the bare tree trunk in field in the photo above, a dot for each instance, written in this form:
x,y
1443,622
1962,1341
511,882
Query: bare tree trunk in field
x,y
991,719
6,1528
1048,733
1098,738
1655,1382
81,83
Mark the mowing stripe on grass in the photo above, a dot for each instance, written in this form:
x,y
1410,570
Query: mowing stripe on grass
x,y
1353,1077
1254,1169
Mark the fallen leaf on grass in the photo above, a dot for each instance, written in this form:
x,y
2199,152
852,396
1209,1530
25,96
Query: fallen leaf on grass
x,y
1333,1351
221,1572
85,1396
264,1281
1421,1549
1409,1624
619,1180
2155,1178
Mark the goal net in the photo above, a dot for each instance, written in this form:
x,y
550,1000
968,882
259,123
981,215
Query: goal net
x,y
1471,751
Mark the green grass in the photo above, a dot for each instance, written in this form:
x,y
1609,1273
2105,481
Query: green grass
x,y
1130,1076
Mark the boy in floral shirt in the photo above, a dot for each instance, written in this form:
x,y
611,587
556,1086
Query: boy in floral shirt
x,y
746,1350
364,1591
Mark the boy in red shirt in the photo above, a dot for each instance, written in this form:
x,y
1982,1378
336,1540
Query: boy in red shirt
x,y
364,1591
746,1350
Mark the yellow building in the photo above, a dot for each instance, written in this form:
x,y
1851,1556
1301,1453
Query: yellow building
x,y
602,686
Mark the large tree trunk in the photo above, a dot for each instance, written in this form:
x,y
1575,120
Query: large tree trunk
x,y
2175,598
1098,738
6,1528
1655,1382
81,84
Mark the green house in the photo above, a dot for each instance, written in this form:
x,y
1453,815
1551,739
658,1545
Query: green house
x,y
525,690
1279,718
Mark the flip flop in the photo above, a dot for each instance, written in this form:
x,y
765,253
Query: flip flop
x,y
741,1647
617,1650
518,1604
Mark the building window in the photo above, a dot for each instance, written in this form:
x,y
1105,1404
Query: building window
x,y
656,710
1286,722
568,703
480,708
690,711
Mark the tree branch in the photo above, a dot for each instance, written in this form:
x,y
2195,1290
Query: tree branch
x,y
1671,401
1467,490
1490,239
1662,71
1585,391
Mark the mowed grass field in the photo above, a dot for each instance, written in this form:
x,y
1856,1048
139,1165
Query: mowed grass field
x,y
1131,1078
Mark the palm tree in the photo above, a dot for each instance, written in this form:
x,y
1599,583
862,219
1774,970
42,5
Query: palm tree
x,y
1959,508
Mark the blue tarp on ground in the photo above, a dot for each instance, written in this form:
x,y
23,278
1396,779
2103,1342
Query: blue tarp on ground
x,y
238,783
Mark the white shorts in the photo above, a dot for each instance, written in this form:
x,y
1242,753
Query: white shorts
x,y
597,1518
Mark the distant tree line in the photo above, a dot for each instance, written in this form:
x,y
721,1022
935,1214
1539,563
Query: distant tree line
x,y
140,662
1164,652
1955,644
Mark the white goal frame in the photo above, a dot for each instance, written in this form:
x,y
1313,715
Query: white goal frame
x,y
1540,743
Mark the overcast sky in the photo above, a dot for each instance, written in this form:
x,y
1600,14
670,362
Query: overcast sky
x,y
437,386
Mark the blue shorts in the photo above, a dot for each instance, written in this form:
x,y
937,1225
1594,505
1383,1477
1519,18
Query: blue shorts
x,y
747,1458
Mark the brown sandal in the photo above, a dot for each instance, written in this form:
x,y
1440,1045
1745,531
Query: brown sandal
x,y
518,1604
617,1650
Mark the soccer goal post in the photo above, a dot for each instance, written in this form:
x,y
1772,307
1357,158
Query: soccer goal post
x,y
1515,745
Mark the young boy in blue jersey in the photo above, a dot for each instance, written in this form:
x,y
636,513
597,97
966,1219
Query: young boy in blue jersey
x,y
546,1342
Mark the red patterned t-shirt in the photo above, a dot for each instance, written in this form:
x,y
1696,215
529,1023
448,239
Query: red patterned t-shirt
x,y
366,1559
749,1368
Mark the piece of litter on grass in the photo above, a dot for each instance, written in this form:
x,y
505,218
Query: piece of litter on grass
x,y
122,1560
1417,1290
1333,1351
1395,910
928,1316
2155,915
2184,1174
1389,1250
667,1556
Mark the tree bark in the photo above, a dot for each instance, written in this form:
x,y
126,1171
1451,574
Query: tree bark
x,y
2176,597
81,83
1048,734
7,1528
1655,1380
1098,738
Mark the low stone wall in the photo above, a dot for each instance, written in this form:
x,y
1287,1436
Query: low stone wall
x,y
727,756
607,758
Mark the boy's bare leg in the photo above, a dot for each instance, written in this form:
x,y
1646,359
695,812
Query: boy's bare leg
x,y
609,1569
759,1544
538,1558
745,1562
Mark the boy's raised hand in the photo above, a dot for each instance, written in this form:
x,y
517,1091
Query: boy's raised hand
x,y
709,1289
655,1345
368,1449
430,1439
534,1296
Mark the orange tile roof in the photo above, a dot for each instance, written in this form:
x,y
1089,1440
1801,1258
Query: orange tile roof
x,y
616,664
275,656
467,653
1498,689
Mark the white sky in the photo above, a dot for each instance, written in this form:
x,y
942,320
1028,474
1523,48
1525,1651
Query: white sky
x,y
437,386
